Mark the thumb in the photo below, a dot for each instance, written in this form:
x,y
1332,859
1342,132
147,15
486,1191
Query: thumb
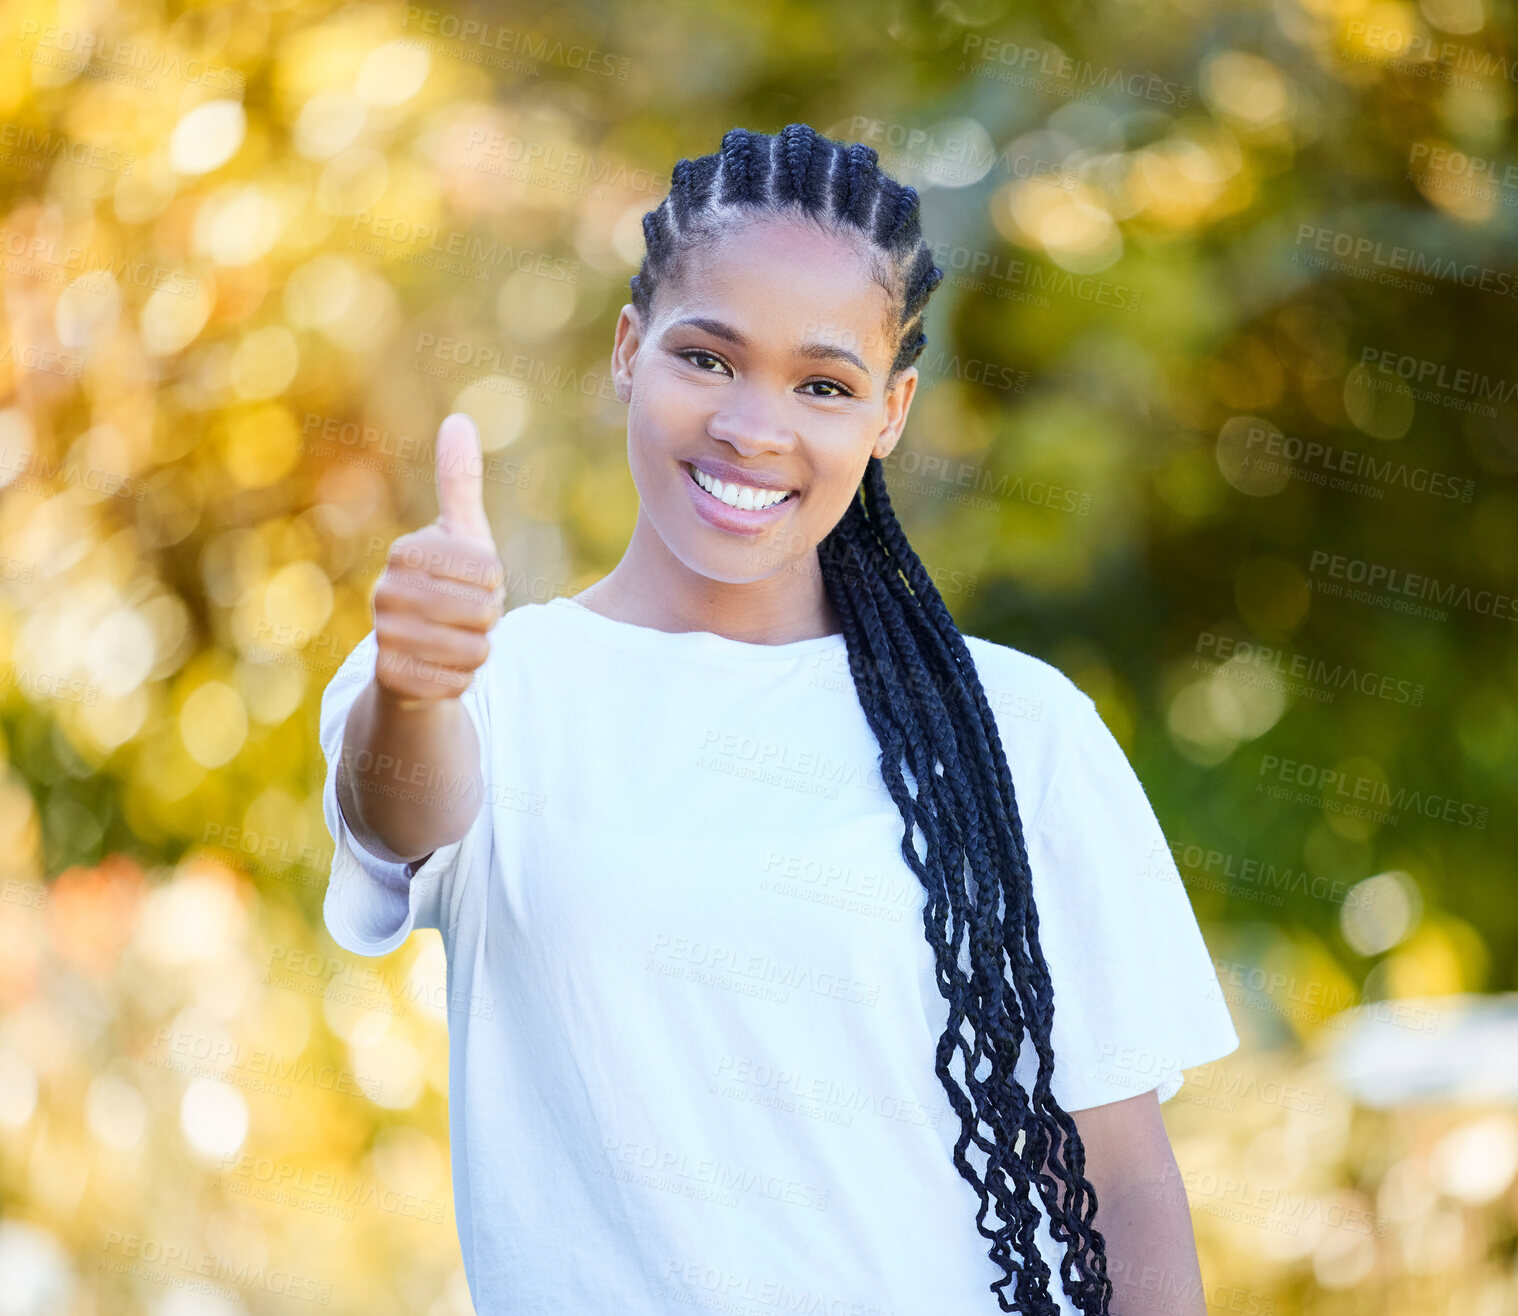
x,y
461,479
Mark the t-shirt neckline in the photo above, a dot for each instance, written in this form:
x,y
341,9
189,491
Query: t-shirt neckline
x,y
648,637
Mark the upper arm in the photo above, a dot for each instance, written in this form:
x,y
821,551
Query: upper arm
x,y
1125,1141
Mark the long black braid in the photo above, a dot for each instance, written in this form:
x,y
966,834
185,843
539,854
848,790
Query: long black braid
x,y
920,691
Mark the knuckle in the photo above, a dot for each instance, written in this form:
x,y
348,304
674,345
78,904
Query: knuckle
x,y
389,636
477,647
401,547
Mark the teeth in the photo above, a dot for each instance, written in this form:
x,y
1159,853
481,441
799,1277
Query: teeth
x,y
741,496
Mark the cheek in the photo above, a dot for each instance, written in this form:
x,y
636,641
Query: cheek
x,y
663,415
842,453
835,481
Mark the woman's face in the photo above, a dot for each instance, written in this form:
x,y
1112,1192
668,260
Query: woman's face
x,y
762,368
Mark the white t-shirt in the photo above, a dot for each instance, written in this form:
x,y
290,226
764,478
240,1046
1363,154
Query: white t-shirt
x,y
692,1007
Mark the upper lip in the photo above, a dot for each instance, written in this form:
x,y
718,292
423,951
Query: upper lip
x,y
729,474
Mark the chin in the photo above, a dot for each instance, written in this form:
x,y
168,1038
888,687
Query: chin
x,y
740,564
756,565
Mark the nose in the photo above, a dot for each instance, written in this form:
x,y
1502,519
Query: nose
x,y
752,421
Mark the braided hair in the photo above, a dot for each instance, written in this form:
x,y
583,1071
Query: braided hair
x,y
921,694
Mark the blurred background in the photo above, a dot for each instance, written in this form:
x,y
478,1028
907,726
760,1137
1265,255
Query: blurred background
x,y
1217,414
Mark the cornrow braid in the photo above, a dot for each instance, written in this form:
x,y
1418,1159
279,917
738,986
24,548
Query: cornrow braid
x,y
743,172
922,696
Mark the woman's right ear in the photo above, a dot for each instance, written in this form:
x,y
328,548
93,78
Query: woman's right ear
x,y
624,350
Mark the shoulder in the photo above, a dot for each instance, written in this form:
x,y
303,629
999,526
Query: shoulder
x,y
1040,712
1018,685
529,623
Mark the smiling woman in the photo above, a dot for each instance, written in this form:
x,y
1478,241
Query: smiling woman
x,y
772,993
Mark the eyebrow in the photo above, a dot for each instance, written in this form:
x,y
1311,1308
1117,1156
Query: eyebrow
x,y
812,351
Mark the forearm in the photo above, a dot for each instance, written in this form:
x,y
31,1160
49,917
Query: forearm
x,y
1151,1250
408,778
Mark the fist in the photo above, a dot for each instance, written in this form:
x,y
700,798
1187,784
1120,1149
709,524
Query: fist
x,y
443,586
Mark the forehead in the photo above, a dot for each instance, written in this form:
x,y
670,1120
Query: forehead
x,y
784,282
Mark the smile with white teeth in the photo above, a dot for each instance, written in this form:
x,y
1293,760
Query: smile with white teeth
x,y
742,496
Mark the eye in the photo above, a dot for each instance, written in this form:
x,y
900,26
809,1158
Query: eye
x,y
844,390
691,352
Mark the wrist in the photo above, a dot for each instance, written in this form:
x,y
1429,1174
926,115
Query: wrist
x,y
393,701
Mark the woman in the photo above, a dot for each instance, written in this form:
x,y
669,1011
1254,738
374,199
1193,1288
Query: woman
x,y
753,963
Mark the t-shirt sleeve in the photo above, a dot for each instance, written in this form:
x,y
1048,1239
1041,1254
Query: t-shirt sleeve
x,y
1136,996
372,904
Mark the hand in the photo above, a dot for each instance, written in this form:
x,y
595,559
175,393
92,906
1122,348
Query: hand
x,y
443,586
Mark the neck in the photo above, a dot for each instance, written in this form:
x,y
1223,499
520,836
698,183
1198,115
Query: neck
x,y
651,587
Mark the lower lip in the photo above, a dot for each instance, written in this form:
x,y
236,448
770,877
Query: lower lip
x,y
734,519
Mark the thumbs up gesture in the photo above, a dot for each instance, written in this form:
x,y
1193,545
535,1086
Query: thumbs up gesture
x,y
443,586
